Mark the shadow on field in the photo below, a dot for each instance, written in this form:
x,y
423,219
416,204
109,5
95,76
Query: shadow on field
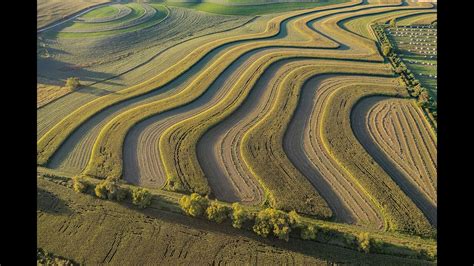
x,y
319,250
50,203
56,70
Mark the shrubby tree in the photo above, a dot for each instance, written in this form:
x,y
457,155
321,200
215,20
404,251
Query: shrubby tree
x,y
386,50
194,205
79,185
272,221
141,197
110,189
364,242
295,219
308,232
239,215
217,212
393,22
73,83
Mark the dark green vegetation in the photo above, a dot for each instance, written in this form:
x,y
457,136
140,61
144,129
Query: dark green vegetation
x,y
252,10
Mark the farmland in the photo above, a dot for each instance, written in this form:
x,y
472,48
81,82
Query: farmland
x,y
280,107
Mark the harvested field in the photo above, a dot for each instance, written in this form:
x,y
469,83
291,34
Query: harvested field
x,y
50,11
400,211
66,217
396,133
304,147
48,93
267,110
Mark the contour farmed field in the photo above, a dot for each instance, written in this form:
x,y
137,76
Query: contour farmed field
x,y
235,132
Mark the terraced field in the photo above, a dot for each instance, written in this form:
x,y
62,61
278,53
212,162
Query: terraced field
x,y
295,110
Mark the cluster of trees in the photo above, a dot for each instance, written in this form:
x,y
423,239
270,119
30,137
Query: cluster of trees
x,y
266,222
413,85
112,190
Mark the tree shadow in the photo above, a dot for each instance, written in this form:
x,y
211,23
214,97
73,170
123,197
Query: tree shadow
x,y
49,203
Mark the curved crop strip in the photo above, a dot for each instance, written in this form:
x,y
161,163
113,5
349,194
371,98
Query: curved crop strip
x,y
398,209
261,145
53,112
120,12
138,11
418,19
107,161
148,13
360,24
52,139
81,138
400,140
305,149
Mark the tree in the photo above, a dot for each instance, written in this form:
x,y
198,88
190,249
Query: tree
x,y
194,205
79,185
393,22
101,190
295,219
239,215
141,197
217,212
364,242
73,83
308,232
110,189
386,50
272,221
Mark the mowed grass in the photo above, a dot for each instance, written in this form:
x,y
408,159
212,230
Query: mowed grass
x,y
361,24
423,67
161,14
399,210
252,10
102,12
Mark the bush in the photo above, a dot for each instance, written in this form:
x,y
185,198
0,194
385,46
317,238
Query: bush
x,y
141,197
386,50
217,212
364,242
79,185
308,232
194,205
101,190
295,219
110,190
73,83
239,215
270,220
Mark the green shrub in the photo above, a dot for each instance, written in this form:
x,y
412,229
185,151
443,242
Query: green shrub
x,y
386,50
141,197
295,219
73,83
270,220
217,212
110,190
239,215
194,205
79,185
101,190
308,232
364,242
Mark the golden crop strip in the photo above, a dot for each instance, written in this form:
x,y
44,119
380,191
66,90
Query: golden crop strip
x,y
262,148
399,210
52,139
106,158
